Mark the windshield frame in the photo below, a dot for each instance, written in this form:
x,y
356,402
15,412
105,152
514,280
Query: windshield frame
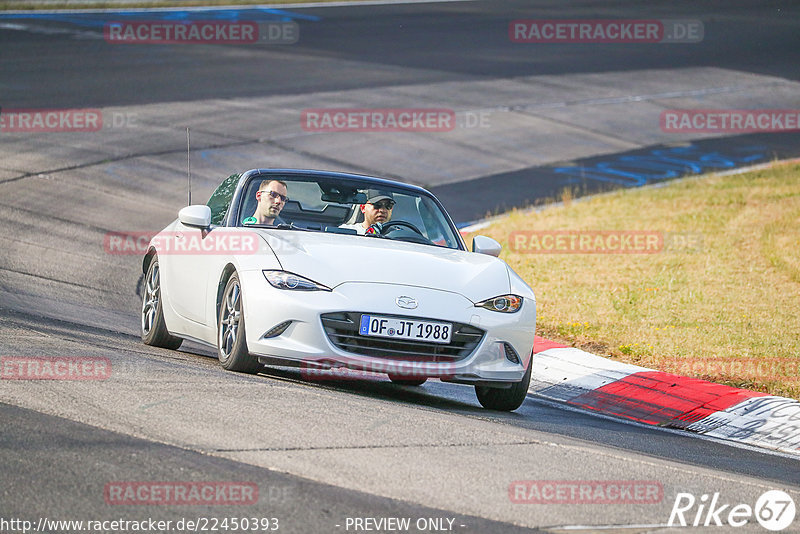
x,y
234,213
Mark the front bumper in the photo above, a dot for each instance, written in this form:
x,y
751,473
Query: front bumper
x,y
304,340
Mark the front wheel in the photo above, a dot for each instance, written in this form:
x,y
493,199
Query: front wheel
x,y
231,342
154,328
505,400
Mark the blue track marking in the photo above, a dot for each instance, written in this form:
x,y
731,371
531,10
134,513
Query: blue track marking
x,y
658,165
467,201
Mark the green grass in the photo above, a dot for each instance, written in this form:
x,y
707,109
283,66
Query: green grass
x,y
725,307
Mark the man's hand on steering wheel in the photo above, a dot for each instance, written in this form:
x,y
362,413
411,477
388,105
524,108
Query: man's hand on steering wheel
x,y
392,224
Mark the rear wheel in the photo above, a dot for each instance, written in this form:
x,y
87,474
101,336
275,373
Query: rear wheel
x,y
508,399
402,381
154,328
231,342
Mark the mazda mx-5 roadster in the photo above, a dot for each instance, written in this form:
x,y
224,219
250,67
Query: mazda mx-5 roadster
x,y
291,267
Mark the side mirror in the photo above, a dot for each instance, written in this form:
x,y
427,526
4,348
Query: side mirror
x,y
198,215
486,245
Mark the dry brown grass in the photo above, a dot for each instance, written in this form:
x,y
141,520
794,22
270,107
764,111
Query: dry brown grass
x,y
727,310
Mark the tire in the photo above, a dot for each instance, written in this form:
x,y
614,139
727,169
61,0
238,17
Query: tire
x,y
231,340
505,400
401,381
154,328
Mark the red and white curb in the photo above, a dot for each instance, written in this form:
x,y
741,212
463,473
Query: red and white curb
x,y
590,382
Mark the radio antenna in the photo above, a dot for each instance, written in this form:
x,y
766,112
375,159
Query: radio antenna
x,y
188,166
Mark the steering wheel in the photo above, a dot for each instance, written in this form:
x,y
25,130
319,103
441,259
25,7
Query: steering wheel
x,y
392,224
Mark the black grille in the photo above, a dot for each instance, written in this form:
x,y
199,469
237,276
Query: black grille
x,y
277,330
511,354
342,330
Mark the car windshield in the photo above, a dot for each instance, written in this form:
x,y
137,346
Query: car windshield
x,y
341,206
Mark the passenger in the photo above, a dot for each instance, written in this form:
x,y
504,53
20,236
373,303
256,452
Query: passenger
x,y
377,211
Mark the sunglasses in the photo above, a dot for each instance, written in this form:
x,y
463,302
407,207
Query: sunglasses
x,y
275,195
383,205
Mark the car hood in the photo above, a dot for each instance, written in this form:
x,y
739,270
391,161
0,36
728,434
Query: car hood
x,y
333,259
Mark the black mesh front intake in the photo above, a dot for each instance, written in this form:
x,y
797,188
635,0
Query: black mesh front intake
x,y
342,330
511,354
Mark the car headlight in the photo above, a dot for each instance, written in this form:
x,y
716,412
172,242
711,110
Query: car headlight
x,y
291,281
503,303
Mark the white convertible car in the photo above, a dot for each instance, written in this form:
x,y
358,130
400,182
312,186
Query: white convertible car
x,y
313,289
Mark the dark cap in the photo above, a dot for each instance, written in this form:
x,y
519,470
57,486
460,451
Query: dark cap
x,y
376,195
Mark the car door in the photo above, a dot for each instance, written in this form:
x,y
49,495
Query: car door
x,y
198,255
189,267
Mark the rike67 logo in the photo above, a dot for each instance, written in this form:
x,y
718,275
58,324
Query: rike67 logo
x,y
774,510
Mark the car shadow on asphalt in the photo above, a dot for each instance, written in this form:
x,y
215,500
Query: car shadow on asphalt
x,y
433,394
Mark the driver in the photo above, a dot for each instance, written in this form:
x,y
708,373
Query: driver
x,y
272,197
377,210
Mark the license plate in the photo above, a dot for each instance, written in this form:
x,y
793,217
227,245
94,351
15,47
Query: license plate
x,y
379,326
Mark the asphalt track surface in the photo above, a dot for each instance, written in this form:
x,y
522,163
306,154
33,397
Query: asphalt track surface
x,y
324,452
